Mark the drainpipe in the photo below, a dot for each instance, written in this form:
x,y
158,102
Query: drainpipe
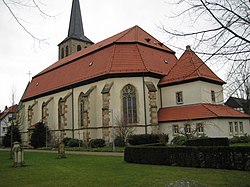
x,y
73,116
144,97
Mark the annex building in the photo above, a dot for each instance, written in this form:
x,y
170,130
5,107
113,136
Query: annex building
x,y
132,77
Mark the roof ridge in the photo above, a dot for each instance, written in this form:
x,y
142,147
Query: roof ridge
x,y
141,57
204,105
125,32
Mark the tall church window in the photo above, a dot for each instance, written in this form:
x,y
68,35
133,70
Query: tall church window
x,y
43,111
67,51
81,110
79,48
62,53
129,104
60,114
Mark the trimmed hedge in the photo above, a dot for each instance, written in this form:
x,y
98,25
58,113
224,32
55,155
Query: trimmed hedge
x,y
94,143
237,158
140,139
208,142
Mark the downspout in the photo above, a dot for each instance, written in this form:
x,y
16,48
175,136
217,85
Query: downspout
x,y
160,98
73,116
144,97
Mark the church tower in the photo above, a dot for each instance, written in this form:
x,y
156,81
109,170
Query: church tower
x,y
76,40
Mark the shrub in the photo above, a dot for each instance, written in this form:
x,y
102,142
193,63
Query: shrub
x,y
119,141
94,143
179,140
66,140
74,143
16,136
240,139
140,139
208,142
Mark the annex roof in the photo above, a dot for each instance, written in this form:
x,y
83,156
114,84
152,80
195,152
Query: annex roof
x,y
8,110
129,52
200,111
188,68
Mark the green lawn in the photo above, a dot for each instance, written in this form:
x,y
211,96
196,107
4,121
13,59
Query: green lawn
x,y
44,169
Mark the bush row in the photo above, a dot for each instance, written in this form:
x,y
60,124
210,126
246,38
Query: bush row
x,y
208,142
141,139
94,143
237,158
240,139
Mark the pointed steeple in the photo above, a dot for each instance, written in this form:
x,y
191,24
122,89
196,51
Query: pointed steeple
x,y
75,26
76,40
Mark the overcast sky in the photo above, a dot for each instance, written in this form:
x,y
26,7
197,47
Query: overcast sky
x,y
20,53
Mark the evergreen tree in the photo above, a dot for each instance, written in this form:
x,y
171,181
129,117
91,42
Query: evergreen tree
x,y
38,137
16,136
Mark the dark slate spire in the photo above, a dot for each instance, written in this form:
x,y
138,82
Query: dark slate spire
x,y
75,25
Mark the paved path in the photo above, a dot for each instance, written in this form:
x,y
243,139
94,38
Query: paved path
x,y
73,152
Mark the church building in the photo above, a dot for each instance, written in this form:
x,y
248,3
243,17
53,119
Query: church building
x,y
131,77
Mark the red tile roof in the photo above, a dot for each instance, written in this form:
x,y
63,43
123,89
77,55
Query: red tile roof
x,y
131,51
190,67
200,111
11,109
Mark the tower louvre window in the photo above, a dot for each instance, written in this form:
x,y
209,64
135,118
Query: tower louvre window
x,y
62,53
79,48
67,51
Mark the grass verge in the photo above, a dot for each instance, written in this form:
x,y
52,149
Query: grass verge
x,y
45,169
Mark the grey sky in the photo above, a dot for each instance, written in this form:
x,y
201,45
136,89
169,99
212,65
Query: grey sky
x,y
19,53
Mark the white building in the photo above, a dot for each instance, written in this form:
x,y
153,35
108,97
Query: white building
x,y
6,119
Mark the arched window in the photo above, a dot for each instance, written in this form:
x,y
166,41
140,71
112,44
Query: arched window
x,y
79,48
129,104
67,50
62,53
81,110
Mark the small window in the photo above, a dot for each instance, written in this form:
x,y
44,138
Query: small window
x,y
200,128
187,128
179,98
241,128
62,53
175,129
79,48
236,130
231,127
213,96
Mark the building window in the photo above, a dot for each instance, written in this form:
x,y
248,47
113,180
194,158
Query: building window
x,y
129,104
187,128
81,110
236,129
79,48
5,129
179,98
67,51
213,96
241,128
175,129
200,127
62,53
231,129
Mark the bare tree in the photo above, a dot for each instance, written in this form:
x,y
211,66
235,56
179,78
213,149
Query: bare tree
x,y
220,32
122,129
13,5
